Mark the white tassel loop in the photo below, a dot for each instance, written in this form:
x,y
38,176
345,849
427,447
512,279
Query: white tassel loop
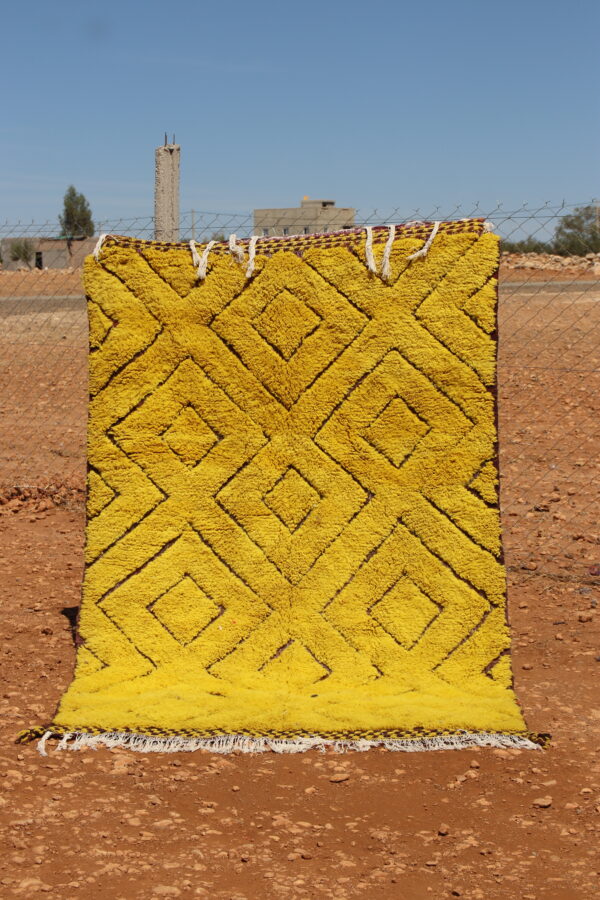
x,y
369,250
422,253
386,270
42,743
251,255
195,254
236,249
98,247
201,262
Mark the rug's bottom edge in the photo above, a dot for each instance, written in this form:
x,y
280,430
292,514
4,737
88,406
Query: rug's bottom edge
x,y
244,743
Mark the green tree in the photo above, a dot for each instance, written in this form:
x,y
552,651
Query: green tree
x,y
579,232
22,250
76,218
527,245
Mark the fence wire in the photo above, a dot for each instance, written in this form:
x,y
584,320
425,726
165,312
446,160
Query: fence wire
x,y
548,366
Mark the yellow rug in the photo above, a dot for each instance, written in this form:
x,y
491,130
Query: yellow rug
x,y
293,533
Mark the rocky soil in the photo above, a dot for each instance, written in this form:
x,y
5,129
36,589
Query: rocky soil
x,y
551,265
477,824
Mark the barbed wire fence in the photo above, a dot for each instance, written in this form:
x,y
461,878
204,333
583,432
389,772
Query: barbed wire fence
x,y
548,366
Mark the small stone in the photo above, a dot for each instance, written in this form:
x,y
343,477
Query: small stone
x,y
339,777
543,802
585,617
527,666
30,884
443,830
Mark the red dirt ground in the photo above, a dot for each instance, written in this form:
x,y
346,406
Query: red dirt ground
x,y
125,826
122,826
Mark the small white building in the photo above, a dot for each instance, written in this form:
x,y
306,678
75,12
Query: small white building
x,y
312,216
47,253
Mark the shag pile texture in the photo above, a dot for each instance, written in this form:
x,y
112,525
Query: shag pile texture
x,y
293,532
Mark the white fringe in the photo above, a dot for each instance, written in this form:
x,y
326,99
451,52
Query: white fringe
x,y
195,254
251,255
42,743
236,249
239,743
425,248
386,271
369,250
202,261
488,226
98,247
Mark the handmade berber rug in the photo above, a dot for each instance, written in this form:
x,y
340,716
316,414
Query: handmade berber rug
x,y
293,533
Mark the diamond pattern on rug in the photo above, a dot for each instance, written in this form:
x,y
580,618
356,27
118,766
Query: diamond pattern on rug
x,y
396,431
190,437
185,610
286,322
292,498
293,521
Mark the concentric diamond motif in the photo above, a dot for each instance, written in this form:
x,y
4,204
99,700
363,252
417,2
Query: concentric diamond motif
x,y
286,322
185,610
396,431
288,326
291,499
405,612
190,437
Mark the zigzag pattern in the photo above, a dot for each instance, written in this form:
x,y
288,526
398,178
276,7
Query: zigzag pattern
x,y
293,493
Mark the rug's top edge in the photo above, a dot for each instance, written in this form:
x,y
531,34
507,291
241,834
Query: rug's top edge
x,y
347,236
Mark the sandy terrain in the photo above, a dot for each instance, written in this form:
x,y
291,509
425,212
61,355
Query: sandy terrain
x,y
472,824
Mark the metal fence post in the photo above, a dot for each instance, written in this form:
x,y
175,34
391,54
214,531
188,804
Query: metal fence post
x,y
166,192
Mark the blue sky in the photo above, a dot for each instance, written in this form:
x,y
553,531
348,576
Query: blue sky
x,y
382,104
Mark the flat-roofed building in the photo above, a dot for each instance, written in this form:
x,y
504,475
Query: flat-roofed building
x,y
46,253
312,216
